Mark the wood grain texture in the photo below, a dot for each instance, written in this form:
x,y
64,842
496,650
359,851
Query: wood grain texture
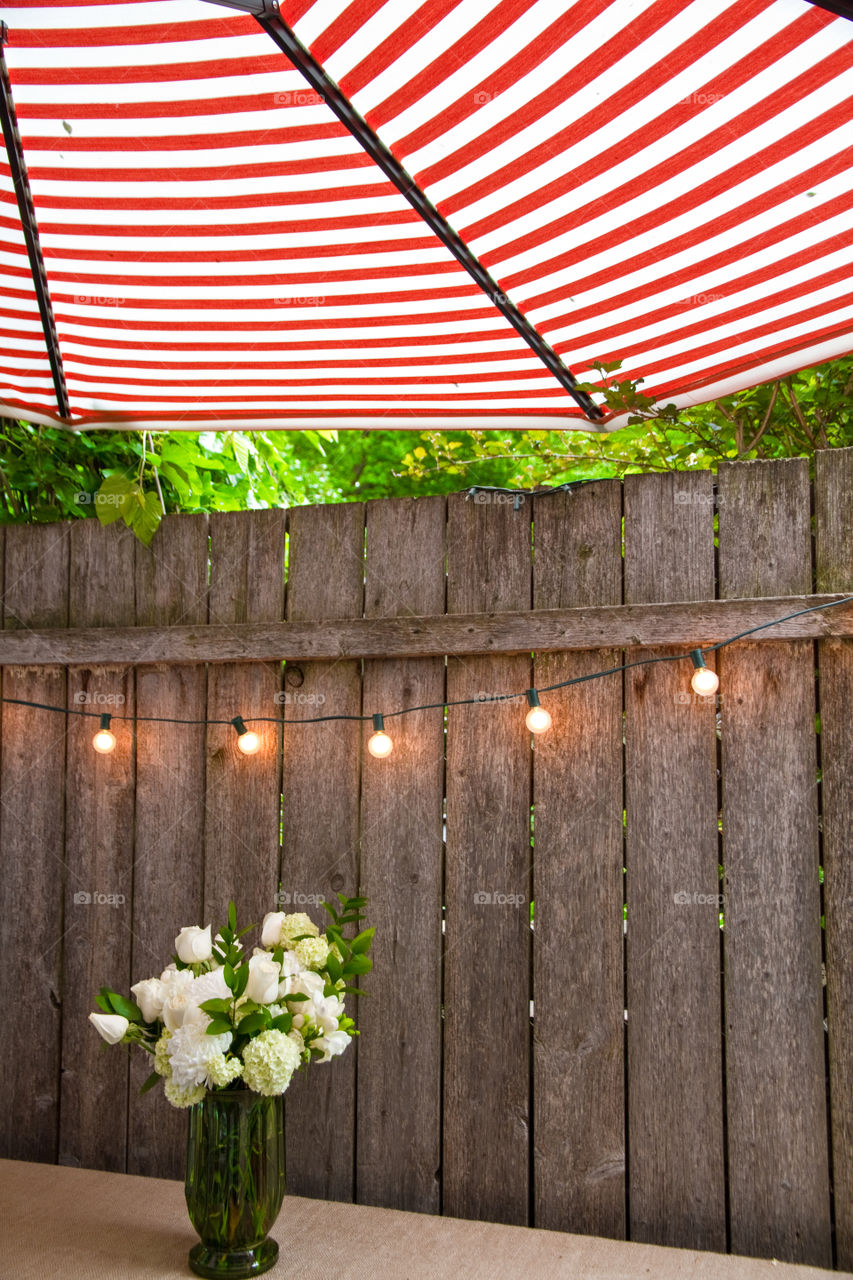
x,y
834,562
777,1123
399,1074
320,819
629,625
675,1111
32,847
578,988
99,822
487,1021
242,793
171,588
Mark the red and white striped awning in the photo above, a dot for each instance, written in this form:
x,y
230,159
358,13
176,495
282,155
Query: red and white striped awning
x,y
667,183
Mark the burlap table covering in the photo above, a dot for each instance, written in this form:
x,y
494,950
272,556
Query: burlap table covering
x,y
79,1224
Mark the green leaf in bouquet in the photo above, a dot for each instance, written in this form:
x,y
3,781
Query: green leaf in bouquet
x,y
278,955
218,1027
362,942
352,991
358,964
254,1022
248,929
219,955
229,976
219,1005
103,1003
333,967
283,1022
232,916
126,1008
331,910
241,980
297,995
150,1082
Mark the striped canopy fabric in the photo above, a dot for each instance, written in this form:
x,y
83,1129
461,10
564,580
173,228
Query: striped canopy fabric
x,y
664,183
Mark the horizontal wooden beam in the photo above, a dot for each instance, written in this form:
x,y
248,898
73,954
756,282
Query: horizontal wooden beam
x,y
610,626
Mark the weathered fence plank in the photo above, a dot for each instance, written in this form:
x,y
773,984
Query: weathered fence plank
x,y
171,588
399,1052
320,818
834,556
242,793
578,987
487,943
675,1112
628,625
775,1073
99,857
32,848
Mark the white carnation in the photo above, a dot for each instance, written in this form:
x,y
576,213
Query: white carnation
x,y
191,1051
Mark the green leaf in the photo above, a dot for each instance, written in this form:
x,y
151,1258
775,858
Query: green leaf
x,y
144,516
242,980
333,967
219,1005
358,964
125,1007
114,497
150,1082
298,995
218,1027
362,942
229,976
232,917
254,1022
283,1022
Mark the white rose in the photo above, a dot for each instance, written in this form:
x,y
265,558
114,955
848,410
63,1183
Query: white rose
x,y
290,964
194,944
271,928
149,996
332,1044
262,986
112,1026
307,984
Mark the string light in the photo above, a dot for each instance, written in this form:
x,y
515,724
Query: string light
x,y
379,744
247,741
104,740
704,681
538,720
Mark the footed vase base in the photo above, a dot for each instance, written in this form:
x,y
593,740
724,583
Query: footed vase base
x,y
233,1263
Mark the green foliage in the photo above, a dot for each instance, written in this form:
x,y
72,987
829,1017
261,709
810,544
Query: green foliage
x,y
48,474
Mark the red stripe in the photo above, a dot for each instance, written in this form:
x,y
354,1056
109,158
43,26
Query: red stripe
x,y
121,34
795,294
189,142
640,139
248,254
753,361
785,149
394,46
293,10
459,54
132,74
209,173
736,216
347,23
134,339
273,383
595,65
729,289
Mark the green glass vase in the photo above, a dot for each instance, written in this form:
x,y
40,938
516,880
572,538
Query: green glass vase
x,y
235,1181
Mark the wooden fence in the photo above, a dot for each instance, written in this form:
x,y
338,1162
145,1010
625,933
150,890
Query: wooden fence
x,y
668,1080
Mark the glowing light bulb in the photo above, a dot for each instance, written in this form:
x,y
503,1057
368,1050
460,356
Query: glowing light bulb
x,y
247,741
538,720
703,681
379,744
104,740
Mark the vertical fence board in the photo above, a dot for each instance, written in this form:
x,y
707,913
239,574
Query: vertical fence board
x,y
320,807
32,846
487,1021
399,1074
675,1111
834,548
171,589
578,989
778,1174
99,812
242,793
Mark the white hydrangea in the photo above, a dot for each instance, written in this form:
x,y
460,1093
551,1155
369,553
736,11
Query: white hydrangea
x,y
269,1061
183,1097
221,1071
312,952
